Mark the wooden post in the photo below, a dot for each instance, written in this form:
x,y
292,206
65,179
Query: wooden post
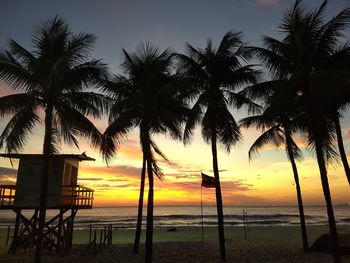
x,y
34,227
104,236
59,230
95,245
246,221
202,215
71,228
245,233
2,194
10,197
111,235
8,235
101,239
90,228
15,233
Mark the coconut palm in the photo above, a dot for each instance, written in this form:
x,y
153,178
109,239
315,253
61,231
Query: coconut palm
x,y
215,75
50,80
146,97
307,54
140,208
276,124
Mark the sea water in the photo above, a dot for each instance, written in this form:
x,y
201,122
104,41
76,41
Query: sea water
x,y
180,216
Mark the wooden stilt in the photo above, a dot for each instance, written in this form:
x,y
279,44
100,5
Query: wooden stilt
x,y
8,235
59,230
13,246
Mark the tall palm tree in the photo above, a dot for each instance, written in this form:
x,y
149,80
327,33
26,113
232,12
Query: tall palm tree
x,y
276,124
308,52
215,75
146,97
140,208
52,78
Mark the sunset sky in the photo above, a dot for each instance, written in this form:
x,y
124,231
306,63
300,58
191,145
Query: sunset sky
x,y
266,180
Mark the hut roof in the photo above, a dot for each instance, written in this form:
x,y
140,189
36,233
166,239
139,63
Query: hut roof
x,y
80,157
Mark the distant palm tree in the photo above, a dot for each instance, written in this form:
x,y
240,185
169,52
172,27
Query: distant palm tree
x,y
53,78
276,123
216,74
146,97
307,54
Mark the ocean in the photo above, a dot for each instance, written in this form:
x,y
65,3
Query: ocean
x,y
179,216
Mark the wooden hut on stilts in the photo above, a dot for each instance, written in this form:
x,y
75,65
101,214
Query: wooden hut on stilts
x,y
65,198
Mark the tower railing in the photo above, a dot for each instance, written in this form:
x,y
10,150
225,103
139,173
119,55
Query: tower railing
x,y
71,195
7,195
77,195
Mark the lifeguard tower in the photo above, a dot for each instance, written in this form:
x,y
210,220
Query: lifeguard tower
x,y
64,195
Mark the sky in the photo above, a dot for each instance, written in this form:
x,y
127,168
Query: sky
x,y
265,180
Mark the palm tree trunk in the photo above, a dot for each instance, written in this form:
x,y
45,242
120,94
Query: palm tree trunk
x,y
341,148
327,196
44,181
297,186
149,225
139,213
218,197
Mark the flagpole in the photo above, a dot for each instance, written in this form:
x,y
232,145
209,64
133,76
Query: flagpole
x,y
202,214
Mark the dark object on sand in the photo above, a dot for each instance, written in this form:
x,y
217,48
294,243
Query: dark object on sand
x,y
324,244
172,229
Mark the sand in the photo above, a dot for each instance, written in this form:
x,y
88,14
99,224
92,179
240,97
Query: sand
x,y
263,244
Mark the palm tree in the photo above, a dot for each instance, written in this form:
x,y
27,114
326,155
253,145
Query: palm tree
x,y
52,78
216,74
276,123
146,97
140,208
308,52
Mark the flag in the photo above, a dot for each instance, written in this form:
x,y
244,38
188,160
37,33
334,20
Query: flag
x,y
208,181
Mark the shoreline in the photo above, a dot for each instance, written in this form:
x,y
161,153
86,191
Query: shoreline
x,y
263,244
193,234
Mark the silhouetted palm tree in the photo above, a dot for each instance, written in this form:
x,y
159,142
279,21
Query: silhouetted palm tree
x,y
276,124
308,52
52,79
140,208
216,74
146,97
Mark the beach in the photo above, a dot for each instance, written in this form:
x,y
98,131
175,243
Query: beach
x,y
263,244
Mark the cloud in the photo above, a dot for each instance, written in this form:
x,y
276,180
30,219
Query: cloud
x,y
115,170
266,2
90,179
8,171
346,135
226,186
8,175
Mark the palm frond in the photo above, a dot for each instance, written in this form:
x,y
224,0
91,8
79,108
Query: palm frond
x,y
273,135
15,133
193,118
13,103
239,100
13,73
88,103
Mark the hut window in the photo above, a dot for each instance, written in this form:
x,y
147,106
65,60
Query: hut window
x,y
70,176
67,174
74,176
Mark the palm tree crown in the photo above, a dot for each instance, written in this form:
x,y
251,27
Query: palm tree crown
x,y
312,61
215,75
148,96
51,77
